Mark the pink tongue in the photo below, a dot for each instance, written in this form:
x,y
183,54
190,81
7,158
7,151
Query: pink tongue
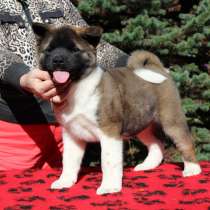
x,y
60,76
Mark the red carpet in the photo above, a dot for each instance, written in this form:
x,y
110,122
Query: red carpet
x,y
160,189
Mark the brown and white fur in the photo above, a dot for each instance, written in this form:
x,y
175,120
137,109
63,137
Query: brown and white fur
x,y
106,106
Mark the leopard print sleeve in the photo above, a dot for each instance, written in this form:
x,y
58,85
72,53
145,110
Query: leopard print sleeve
x,y
108,56
6,59
11,65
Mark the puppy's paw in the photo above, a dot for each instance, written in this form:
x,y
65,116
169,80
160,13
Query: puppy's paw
x,y
145,167
105,190
191,169
62,183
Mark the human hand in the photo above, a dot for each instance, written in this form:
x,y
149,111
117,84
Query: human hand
x,y
62,91
39,83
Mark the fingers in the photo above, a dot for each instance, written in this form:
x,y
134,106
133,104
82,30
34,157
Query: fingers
x,y
43,86
57,99
45,89
40,84
41,75
62,93
49,94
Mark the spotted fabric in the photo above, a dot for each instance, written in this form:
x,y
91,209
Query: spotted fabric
x,y
161,189
17,41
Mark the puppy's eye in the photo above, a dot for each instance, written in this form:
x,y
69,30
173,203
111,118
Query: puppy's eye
x,y
74,49
48,50
45,52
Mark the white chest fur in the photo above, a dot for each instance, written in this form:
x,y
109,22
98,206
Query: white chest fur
x,y
79,117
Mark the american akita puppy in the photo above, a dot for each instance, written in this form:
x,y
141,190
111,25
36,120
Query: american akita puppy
x,y
106,106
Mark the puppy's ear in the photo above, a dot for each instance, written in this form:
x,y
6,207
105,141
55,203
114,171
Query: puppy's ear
x,y
40,29
92,34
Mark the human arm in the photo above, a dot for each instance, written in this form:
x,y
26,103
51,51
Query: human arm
x,y
14,72
12,66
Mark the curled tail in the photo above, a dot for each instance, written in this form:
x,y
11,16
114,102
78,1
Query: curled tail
x,y
147,66
145,59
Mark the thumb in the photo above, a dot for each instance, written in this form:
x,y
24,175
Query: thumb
x,y
56,99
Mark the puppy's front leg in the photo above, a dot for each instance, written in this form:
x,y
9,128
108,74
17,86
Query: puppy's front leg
x,y
72,158
112,165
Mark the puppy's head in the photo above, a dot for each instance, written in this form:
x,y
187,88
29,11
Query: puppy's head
x,y
68,53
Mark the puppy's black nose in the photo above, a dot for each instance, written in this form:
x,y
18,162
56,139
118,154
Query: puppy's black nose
x,y
58,60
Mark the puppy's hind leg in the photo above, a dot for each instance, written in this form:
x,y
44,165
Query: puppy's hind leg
x,y
72,158
180,134
155,149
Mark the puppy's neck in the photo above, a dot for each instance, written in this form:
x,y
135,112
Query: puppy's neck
x,y
92,79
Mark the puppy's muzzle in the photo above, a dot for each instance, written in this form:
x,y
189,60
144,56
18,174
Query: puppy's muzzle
x,y
58,61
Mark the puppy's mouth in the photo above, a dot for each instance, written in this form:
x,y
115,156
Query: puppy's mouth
x,y
61,77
